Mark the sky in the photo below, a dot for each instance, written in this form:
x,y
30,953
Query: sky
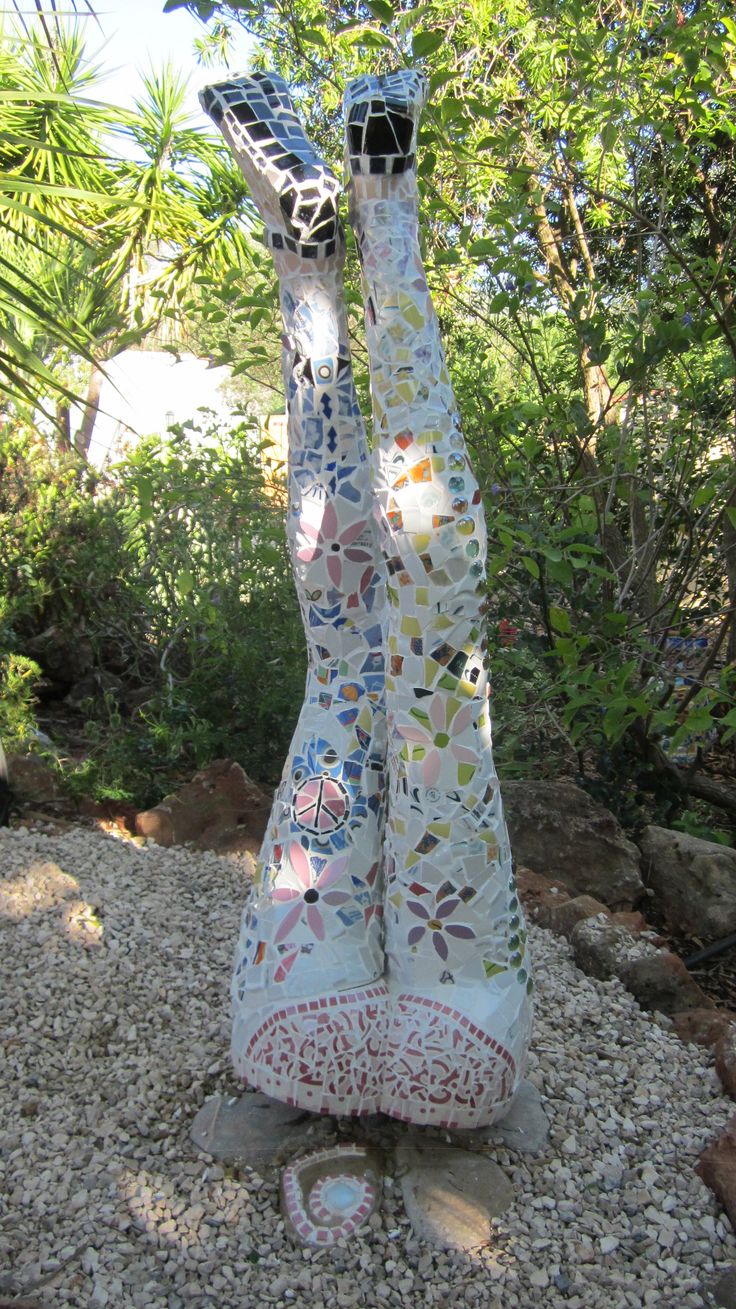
x,y
133,35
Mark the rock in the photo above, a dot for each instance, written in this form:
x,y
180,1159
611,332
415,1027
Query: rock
x,y
534,889
632,920
524,1127
96,686
722,1292
134,698
717,1167
110,815
657,978
64,656
726,1061
34,781
660,981
562,917
450,1196
602,950
253,1129
694,881
702,1026
220,809
556,828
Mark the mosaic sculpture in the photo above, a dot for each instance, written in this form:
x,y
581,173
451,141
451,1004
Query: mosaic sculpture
x,y
382,957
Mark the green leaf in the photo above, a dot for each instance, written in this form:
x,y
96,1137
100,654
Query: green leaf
x,y
184,583
447,257
373,40
560,571
425,43
531,565
381,10
559,619
486,245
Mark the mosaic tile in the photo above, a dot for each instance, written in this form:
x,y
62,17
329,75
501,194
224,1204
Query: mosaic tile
x,y
328,1195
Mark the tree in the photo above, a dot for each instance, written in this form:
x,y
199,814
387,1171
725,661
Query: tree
x,y
577,178
96,249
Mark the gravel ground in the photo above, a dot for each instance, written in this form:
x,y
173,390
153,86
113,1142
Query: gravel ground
x,y
115,965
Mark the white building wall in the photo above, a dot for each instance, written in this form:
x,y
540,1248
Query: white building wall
x,y
144,392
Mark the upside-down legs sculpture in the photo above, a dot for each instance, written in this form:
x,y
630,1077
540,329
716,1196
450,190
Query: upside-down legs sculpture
x,y
376,969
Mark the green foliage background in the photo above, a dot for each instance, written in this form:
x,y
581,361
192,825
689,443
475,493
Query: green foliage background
x,y
173,579
578,191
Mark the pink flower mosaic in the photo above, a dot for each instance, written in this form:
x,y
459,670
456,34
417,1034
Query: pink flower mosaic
x,y
439,731
305,895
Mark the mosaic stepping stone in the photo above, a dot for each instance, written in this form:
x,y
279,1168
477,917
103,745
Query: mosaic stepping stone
x,y
330,1194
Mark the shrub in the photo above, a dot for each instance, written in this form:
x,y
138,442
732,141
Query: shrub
x,y
168,584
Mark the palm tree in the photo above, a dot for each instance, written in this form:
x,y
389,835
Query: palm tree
x,y
95,250
52,189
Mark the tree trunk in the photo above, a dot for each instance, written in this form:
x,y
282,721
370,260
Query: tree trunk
x,y
596,387
63,429
83,436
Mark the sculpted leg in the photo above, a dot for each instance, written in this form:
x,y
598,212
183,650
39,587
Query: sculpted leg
x,y
308,994
459,1015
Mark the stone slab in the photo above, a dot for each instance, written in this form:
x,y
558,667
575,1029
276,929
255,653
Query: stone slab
x,y
722,1292
253,1129
524,1127
450,1195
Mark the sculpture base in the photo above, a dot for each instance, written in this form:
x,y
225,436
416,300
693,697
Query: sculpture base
x,y
329,1190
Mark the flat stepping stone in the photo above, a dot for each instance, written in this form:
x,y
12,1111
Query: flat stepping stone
x,y
450,1195
253,1129
722,1292
328,1195
525,1127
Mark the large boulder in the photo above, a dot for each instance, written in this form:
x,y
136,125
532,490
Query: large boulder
x,y
603,950
657,978
661,982
694,881
717,1167
563,915
35,782
558,830
220,809
703,1026
726,1061
536,890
